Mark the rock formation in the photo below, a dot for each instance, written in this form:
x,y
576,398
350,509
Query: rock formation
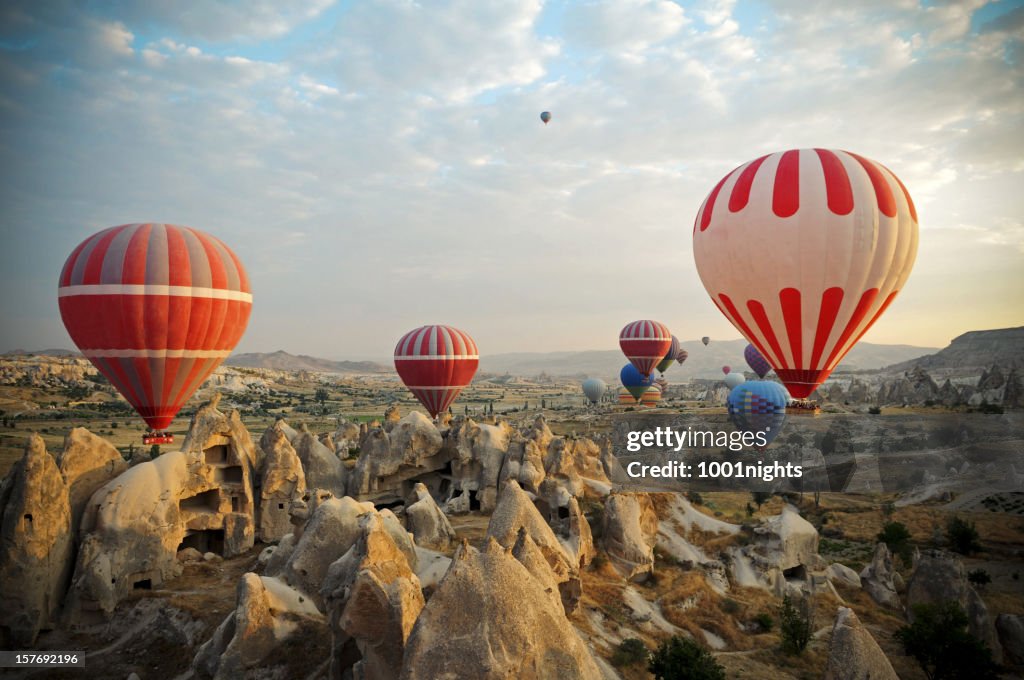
x,y
853,654
87,462
877,579
630,533
1011,637
386,460
515,630
35,545
322,468
429,526
283,480
373,598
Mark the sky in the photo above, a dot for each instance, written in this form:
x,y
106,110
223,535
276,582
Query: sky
x,y
381,165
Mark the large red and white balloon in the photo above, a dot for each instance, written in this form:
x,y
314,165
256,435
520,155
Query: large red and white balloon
x,y
156,308
435,363
645,344
803,251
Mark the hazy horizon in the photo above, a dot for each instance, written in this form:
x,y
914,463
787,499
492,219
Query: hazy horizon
x,y
381,166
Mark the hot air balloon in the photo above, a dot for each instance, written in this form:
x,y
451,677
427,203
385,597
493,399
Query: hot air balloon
x,y
435,363
670,356
827,239
758,406
626,397
756,362
662,384
156,308
705,340
734,379
726,369
645,344
682,355
545,116
633,381
651,396
594,389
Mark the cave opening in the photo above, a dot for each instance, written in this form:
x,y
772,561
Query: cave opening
x,y
204,540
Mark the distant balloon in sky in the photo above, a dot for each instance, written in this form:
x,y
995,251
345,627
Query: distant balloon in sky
x,y
705,340
734,379
546,117
645,343
594,389
435,363
682,355
633,381
757,363
156,308
726,369
827,238
758,406
670,356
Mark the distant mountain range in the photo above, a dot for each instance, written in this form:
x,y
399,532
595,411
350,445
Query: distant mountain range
x,y
43,352
703,362
283,361
974,350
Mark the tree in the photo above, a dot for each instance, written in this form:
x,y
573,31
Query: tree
x,y
679,658
321,396
630,652
897,537
979,577
963,536
939,641
761,497
795,625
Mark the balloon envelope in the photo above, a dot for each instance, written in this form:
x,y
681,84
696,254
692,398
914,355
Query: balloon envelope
x,y
651,396
734,379
726,369
670,356
827,238
705,340
645,343
682,355
594,389
757,363
633,381
545,116
435,363
156,308
758,406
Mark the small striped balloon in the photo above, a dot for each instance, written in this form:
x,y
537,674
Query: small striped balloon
x,y
645,344
435,363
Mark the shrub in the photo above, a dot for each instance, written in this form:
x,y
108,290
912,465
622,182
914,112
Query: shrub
x,y
963,536
630,652
761,497
979,577
897,537
730,606
795,625
939,641
764,621
875,410
695,498
680,658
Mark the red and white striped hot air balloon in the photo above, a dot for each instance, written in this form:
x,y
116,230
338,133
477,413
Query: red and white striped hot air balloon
x,y
802,251
435,363
156,308
645,343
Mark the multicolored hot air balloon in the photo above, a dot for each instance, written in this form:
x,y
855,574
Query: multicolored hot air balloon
x,y
756,362
156,308
705,340
758,406
645,344
594,389
651,396
670,356
827,238
546,117
633,381
626,397
435,363
726,369
682,355
734,379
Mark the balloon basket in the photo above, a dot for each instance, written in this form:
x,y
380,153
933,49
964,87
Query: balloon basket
x,y
801,407
157,438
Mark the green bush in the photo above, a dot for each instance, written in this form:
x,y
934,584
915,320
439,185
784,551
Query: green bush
x,y
679,658
897,537
630,652
979,577
939,641
963,536
875,410
730,606
764,621
795,625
